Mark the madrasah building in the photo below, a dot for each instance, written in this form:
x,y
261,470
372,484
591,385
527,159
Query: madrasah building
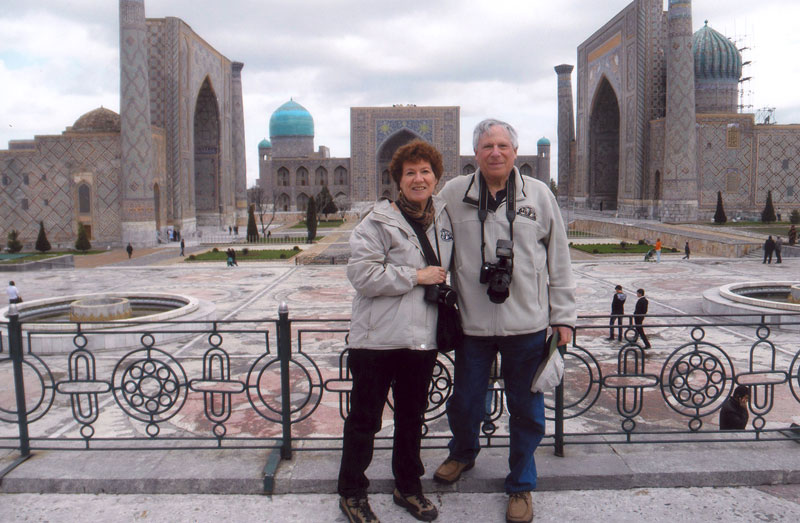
x,y
657,131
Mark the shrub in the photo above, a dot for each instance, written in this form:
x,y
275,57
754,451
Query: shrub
x,y
283,256
719,216
14,245
768,214
311,220
214,250
245,251
82,243
192,257
623,244
252,229
42,245
795,217
295,248
595,251
642,242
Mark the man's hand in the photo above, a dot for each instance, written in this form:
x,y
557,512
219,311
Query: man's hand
x,y
564,335
431,275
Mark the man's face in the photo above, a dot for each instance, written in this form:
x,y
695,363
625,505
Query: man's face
x,y
495,154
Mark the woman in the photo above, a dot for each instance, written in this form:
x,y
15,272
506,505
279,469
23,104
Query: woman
x,y
393,330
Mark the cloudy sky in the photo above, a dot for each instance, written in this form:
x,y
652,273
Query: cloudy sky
x,y
59,58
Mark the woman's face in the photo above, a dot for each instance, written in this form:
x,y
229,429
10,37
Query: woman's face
x,y
417,182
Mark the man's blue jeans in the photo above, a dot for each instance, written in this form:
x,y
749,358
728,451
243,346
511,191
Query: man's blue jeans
x,y
520,358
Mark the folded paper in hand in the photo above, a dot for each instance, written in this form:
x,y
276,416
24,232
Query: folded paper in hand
x,y
551,370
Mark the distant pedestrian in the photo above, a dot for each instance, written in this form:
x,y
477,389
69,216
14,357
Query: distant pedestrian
x,y
658,250
129,250
183,246
778,247
769,248
230,229
229,255
686,251
639,314
233,255
617,311
733,415
236,230
792,235
13,293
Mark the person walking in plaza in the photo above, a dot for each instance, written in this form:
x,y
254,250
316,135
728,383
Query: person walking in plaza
x,y
792,235
778,247
13,293
129,250
733,414
183,246
769,248
617,312
392,341
639,314
658,250
514,279
686,251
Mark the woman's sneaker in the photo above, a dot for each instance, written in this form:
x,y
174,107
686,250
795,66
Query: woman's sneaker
x,y
357,510
417,505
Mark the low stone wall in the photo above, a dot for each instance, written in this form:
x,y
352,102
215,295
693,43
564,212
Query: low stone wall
x,y
60,262
699,242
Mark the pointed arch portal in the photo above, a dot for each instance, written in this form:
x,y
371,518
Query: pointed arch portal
x,y
206,153
604,148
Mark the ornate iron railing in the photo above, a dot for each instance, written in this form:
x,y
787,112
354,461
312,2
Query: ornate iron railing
x,y
283,384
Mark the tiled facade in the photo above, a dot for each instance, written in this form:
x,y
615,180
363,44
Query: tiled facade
x,y
645,147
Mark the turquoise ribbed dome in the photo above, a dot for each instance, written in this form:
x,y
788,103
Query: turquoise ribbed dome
x,y
543,141
715,56
264,144
291,119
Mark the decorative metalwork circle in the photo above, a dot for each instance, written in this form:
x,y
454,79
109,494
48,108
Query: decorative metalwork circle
x,y
695,424
214,339
152,430
80,341
149,385
264,388
794,376
763,332
698,333
759,422
628,425
695,378
39,388
219,430
147,340
87,431
583,379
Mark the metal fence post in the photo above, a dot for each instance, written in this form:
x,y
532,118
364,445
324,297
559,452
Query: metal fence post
x,y
15,351
284,334
559,420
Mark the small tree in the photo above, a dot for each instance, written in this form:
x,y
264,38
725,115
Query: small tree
x,y
795,217
325,203
42,245
252,229
342,204
719,216
82,243
768,214
14,245
311,219
554,187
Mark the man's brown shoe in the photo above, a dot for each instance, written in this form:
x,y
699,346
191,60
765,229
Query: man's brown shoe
x,y
417,505
357,510
450,471
520,508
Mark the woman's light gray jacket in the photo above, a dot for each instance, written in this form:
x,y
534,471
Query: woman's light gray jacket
x,y
389,308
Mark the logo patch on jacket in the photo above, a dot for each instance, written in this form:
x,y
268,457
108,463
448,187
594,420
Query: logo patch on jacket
x,y
527,212
446,235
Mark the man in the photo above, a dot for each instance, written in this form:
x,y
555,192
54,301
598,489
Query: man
x,y
617,311
733,414
769,247
686,251
13,293
658,250
129,250
183,246
638,316
778,247
514,279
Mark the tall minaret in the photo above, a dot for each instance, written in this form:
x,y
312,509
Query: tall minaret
x,y
136,181
566,131
679,194
237,142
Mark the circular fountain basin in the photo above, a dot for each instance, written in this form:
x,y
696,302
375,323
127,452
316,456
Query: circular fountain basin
x,y
46,323
772,300
100,309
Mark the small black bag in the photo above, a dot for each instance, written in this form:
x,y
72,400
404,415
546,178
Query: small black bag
x,y
449,332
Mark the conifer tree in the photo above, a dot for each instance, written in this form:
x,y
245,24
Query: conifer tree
x,y
719,216
42,245
768,214
82,243
252,228
311,219
14,245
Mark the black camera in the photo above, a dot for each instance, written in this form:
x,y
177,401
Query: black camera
x,y
498,274
441,293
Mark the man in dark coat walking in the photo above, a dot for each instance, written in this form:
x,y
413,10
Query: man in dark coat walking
x,y
638,316
617,311
769,248
733,415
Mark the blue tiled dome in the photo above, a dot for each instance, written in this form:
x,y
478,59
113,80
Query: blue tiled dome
x,y
264,144
543,141
715,56
291,119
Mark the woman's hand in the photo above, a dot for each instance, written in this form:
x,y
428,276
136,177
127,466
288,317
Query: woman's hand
x,y
431,275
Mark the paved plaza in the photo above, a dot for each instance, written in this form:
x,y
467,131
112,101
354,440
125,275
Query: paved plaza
x,y
253,292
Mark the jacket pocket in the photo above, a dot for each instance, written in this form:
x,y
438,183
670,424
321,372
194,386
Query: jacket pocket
x,y
383,313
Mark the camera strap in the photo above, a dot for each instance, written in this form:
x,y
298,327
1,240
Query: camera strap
x,y
427,250
483,208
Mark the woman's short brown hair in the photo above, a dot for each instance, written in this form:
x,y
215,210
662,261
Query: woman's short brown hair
x,y
416,151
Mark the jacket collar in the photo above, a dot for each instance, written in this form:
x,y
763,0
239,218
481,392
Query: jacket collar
x,y
384,212
472,195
